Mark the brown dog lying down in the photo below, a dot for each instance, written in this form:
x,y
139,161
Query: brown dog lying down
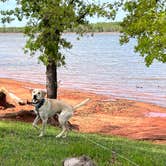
x,y
45,108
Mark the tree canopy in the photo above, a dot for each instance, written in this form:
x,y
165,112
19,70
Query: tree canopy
x,y
146,22
48,19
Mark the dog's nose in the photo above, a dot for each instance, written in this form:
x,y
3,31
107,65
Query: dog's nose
x,y
34,97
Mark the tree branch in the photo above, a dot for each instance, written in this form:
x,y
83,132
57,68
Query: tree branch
x,y
71,2
82,16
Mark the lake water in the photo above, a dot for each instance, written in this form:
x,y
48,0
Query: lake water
x,y
96,64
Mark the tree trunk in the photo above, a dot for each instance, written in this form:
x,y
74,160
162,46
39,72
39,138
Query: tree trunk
x,y
51,80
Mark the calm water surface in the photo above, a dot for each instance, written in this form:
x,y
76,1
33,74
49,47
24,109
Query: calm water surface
x,y
96,64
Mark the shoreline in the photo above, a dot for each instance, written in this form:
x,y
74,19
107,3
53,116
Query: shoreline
x,y
111,96
122,117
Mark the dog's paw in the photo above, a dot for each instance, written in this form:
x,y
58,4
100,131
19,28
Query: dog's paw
x,y
58,136
41,135
64,136
36,127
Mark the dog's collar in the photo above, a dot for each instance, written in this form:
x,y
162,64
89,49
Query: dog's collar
x,y
38,105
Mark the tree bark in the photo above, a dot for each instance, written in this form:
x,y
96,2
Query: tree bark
x,y
51,80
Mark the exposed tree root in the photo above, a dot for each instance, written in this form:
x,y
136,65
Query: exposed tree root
x,y
30,115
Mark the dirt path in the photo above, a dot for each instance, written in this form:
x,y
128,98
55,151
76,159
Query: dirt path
x,y
103,114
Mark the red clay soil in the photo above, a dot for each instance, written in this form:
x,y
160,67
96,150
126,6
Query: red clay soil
x,y
102,114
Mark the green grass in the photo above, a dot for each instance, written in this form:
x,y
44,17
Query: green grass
x,y
20,146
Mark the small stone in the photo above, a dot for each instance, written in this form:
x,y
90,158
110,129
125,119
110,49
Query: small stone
x,y
79,161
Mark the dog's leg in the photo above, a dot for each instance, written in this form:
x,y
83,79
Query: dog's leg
x,y
67,130
35,122
63,118
62,132
44,122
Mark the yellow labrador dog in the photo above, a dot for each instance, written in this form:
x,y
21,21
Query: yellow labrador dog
x,y
45,108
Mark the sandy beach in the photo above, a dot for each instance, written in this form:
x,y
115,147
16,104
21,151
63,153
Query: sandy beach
x,y
103,115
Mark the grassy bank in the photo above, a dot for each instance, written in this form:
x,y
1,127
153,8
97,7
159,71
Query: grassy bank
x,y
96,27
19,145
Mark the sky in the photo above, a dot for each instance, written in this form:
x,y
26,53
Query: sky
x,y
11,4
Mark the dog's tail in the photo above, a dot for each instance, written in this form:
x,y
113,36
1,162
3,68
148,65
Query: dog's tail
x,y
81,104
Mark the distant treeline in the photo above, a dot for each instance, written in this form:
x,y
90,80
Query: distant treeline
x,y
107,27
95,27
11,29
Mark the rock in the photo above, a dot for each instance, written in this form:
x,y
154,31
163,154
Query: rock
x,y
78,161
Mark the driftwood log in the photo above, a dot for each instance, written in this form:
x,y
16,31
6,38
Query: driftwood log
x,y
3,101
12,96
